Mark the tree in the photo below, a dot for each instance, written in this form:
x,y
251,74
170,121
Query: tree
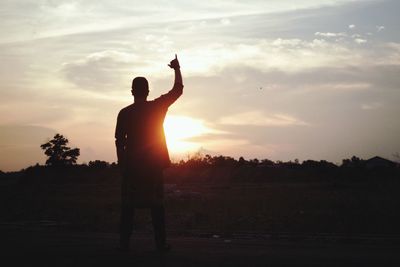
x,y
354,162
99,164
58,153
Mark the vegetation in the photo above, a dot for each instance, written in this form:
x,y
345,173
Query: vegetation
x,y
216,194
58,153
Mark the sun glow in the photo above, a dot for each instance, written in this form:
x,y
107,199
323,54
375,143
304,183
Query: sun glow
x,y
178,129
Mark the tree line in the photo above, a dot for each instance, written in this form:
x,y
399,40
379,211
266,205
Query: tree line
x,y
60,154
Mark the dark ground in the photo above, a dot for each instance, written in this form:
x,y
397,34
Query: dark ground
x,y
44,247
71,218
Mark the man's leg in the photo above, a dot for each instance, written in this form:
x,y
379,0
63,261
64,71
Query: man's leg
x,y
126,225
158,220
158,212
127,215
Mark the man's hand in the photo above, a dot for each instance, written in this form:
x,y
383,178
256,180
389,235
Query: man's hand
x,y
174,64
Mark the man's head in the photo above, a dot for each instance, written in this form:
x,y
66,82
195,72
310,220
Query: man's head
x,y
140,87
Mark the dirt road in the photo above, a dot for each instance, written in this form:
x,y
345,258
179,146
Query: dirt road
x,y
21,247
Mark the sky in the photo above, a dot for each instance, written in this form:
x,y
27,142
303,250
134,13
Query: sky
x,y
281,80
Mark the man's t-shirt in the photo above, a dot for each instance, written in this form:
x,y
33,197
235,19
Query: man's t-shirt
x,y
140,132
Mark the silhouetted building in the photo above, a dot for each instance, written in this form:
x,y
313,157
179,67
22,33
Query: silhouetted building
x,y
378,162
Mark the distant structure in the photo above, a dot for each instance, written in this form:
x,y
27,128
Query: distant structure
x,y
378,162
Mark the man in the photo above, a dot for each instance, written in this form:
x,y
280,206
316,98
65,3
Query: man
x,y
143,154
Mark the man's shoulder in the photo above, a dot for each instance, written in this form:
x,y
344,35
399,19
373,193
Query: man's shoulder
x,y
126,109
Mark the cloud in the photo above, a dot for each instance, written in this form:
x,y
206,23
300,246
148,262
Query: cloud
x,y
349,86
60,18
225,21
380,28
228,51
371,106
331,34
352,26
100,70
288,55
258,118
360,41
212,137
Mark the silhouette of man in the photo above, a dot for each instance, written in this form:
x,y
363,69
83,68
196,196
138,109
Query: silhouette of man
x,y
142,155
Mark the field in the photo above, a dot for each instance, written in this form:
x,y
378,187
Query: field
x,y
89,201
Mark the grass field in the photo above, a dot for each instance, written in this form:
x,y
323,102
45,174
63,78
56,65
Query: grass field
x,y
83,204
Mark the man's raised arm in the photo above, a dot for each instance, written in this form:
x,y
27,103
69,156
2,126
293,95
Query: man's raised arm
x,y
177,89
178,84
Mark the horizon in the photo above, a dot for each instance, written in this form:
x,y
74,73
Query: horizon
x,y
281,81
199,156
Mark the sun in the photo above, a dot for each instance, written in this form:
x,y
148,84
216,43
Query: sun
x,y
178,130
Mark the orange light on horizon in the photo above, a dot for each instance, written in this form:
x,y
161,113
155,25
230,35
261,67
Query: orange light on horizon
x,y
178,129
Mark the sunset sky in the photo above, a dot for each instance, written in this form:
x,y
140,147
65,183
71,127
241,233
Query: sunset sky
x,y
281,80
